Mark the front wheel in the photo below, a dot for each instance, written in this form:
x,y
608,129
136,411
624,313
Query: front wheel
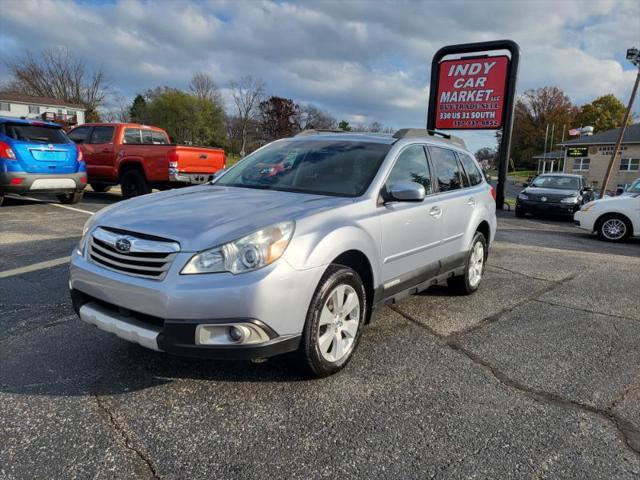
x,y
614,228
469,282
334,322
70,198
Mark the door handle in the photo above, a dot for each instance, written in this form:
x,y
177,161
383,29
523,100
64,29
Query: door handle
x,y
471,202
435,212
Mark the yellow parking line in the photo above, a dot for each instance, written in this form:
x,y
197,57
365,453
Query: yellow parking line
x,y
34,267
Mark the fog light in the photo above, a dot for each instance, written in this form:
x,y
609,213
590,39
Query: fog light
x,y
239,333
244,333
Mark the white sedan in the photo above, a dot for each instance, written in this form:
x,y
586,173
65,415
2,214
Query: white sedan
x,y
614,218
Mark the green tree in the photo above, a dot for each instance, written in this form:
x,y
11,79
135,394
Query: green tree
x,y
536,109
344,125
186,118
604,113
138,111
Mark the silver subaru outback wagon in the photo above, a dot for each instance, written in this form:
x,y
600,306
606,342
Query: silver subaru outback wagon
x,y
292,249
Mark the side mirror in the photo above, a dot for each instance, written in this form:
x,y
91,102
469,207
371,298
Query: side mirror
x,y
406,192
215,175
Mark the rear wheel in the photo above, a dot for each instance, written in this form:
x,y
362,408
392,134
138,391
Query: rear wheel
x,y
469,282
100,187
334,322
614,227
70,198
134,183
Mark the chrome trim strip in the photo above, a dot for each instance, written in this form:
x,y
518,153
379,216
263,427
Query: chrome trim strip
x,y
452,238
130,266
138,245
406,253
126,328
103,250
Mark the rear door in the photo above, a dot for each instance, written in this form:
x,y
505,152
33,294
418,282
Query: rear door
x,y
457,203
410,230
42,148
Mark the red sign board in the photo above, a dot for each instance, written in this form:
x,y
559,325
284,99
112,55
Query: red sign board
x,y
471,93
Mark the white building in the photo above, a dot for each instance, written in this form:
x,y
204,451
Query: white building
x,y
18,105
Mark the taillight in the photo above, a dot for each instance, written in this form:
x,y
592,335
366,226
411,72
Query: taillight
x,y
16,181
173,158
6,151
493,192
80,156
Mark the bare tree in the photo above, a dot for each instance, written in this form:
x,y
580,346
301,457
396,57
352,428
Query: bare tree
x,y
247,94
311,117
55,73
117,110
203,87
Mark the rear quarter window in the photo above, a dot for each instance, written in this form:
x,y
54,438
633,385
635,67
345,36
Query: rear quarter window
x,y
447,169
473,172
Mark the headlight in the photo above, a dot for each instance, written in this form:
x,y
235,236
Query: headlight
x,y
522,196
571,199
83,239
254,251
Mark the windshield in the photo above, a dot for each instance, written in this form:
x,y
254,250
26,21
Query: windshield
x,y
330,167
36,133
634,187
557,181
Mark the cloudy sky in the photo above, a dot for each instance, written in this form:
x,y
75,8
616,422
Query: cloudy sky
x,y
361,60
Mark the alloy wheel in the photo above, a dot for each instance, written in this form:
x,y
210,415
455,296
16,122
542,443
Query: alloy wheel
x,y
614,229
476,264
339,321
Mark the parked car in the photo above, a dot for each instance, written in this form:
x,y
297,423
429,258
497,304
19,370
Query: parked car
x,y
140,158
250,267
553,194
633,189
614,218
38,157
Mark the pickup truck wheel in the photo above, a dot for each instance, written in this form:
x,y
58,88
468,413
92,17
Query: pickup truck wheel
x,y
70,198
100,187
334,322
469,282
134,183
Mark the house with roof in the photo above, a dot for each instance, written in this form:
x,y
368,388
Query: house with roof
x,y
18,105
590,155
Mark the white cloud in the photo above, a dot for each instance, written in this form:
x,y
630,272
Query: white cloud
x,y
362,60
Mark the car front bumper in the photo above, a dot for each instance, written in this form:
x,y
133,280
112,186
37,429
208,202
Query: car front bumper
x,y
42,183
584,220
165,314
528,206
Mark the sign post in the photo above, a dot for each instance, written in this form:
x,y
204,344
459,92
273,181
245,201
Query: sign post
x,y
476,93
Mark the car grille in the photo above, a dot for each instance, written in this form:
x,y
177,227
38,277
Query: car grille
x,y
131,253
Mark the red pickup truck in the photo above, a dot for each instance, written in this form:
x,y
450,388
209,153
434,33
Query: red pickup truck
x,y
141,157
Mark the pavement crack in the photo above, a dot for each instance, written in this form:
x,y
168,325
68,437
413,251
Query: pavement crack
x,y
44,326
124,439
515,272
586,310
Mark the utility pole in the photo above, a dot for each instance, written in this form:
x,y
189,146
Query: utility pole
x,y
633,55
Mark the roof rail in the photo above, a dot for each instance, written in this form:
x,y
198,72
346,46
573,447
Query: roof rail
x,y
314,131
423,133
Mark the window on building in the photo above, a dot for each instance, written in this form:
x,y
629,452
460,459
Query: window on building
x,y
447,168
5,106
581,164
71,112
34,109
629,164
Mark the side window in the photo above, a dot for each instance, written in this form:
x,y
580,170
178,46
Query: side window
x,y
473,172
412,166
102,135
159,138
132,135
80,134
448,174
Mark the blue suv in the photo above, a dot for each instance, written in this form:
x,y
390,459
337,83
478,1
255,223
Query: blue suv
x,y
38,157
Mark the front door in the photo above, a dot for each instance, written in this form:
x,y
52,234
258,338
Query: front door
x,y
410,230
99,152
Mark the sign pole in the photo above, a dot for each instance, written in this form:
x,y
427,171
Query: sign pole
x,y
507,107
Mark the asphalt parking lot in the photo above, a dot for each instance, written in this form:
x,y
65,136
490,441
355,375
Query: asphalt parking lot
x,y
536,376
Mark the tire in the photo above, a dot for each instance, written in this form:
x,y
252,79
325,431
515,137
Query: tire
x,y
100,187
473,268
134,183
1,199
519,213
329,340
614,227
70,198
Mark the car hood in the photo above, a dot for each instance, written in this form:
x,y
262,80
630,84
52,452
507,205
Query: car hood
x,y
552,192
611,202
205,216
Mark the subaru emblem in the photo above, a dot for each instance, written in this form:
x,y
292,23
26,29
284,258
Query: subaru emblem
x,y
544,199
123,245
